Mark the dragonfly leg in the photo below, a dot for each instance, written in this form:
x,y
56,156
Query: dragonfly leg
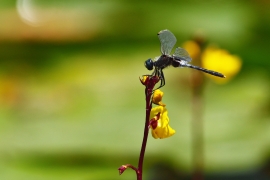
x,y
160,74
162,79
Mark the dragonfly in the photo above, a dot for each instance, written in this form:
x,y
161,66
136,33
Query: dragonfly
x,y
180,58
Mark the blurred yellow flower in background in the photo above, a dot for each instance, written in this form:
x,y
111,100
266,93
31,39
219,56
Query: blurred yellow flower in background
x,y
216,59
161,129
192,48
222,61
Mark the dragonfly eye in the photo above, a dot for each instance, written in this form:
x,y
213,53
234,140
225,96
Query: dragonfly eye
x,y
149,64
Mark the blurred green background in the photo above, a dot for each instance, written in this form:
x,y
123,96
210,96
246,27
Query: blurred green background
x,y
72,106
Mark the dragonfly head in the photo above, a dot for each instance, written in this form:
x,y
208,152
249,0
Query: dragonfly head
x,y
149,64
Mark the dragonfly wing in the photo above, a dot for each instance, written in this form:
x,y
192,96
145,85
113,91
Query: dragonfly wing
x,y
182,54
167,41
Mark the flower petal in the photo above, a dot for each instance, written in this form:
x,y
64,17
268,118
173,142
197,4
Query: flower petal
x,y
163,129
157,97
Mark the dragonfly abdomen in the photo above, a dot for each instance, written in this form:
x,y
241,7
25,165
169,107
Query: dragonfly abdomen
x,y
206,70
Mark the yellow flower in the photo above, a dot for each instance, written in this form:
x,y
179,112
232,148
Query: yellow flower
x,y
144,80
222,61
157,97
160,123
192,48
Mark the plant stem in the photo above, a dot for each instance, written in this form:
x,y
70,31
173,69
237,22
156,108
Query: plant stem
x,y
197,127
148,93
197,131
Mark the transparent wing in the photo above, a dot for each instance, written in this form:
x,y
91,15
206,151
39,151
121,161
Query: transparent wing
x,y
167,41
182,54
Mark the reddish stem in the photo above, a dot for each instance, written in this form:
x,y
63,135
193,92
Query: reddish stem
x,y
149,82
148,93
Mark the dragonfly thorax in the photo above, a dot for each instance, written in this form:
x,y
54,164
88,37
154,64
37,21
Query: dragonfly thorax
x,y
163,61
